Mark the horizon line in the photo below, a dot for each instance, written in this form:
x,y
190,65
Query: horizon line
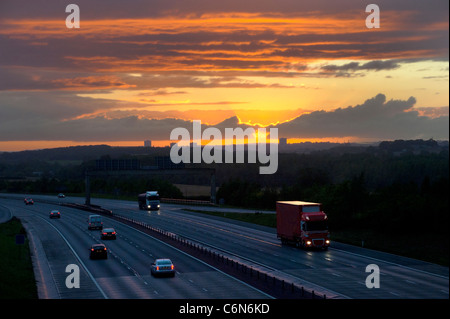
x,y
192,144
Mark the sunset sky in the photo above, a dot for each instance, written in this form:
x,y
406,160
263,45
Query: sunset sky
x,y
136,69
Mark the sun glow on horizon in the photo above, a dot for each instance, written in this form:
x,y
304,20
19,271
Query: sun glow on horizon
x,y
311,69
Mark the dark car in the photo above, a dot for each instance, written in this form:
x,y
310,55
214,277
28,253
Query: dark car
x,y
163,267
55,214
28,201
108,233
98,251
61,195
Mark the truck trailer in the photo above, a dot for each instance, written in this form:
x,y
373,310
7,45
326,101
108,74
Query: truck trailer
x,y
303,224
149,200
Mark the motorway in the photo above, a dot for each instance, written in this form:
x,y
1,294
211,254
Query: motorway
x,y
339,272
58,243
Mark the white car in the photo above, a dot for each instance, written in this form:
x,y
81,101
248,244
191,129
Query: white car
x,y
163,267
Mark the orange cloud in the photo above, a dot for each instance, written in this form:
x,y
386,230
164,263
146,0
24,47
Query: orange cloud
x,y
254,41
91,83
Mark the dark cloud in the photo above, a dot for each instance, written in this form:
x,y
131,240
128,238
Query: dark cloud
x,y
160,92
376,118
47,119
433,112
53,107
196,80
89,129
352,68
191,50
33,79
424,11
36,79
355,66
213,48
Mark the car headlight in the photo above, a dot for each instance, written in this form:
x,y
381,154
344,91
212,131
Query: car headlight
x,y
308,242
327,241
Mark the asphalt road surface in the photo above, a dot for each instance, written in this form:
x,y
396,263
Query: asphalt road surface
x,y
339,272
58,243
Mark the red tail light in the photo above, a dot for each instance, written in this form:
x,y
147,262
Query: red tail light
x,y
171,267
157,267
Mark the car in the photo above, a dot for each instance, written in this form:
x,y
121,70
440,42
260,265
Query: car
x,y
28,201
55,214
61,195
108,233
98,251
162,266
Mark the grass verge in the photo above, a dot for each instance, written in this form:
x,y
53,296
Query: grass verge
x,y
16,270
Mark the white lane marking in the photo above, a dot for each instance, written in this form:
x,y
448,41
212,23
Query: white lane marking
x,y
392,263
78,257
200,261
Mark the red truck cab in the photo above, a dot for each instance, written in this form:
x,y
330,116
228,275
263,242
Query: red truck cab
x,y
303,224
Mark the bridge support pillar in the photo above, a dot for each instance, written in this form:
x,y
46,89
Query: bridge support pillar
x,y
87,183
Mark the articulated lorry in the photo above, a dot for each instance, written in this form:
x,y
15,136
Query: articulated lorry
x,y
149,200
303,224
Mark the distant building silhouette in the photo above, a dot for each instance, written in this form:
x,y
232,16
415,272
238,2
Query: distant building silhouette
x,y
147,143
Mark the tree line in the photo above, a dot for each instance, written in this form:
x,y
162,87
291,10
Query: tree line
x,y
395,185
391,193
